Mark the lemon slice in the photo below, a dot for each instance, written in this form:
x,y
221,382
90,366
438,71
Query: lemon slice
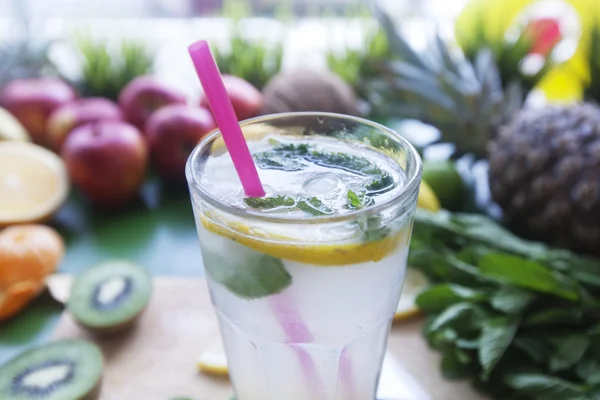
x,y
414,282
427,199
251,132
338,254
33,183
212,360
11,128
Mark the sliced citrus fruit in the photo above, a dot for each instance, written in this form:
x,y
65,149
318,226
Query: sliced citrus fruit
x,y
11,128
212,360
251,132
17,297
427,198
414,282
28,252
338,254
33,183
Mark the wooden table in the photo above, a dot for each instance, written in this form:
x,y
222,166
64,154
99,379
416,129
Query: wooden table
x,y
156,360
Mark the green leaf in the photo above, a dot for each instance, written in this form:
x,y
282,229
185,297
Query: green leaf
x,y
441,296
588,369
380,184
460,316
496,336
314,206
256,275
373,228
273,160
535,347
511,300
270,202
356,201
453,367
568,352
527,274
545,387
554,317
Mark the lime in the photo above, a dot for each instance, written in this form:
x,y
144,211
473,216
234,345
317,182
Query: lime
x,y
446,183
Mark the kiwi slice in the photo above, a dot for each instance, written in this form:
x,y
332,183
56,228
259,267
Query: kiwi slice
x,y
109,297
61,370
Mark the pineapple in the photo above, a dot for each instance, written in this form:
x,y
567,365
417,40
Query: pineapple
x,y
465,100
544,169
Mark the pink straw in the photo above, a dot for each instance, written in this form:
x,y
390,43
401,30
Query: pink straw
x,y
222,109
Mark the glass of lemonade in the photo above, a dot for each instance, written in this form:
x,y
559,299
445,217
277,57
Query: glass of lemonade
x,y
305,281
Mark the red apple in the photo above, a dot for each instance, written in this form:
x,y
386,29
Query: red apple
x,y
76,113
32,101
144,95
172,133
245,98
107,161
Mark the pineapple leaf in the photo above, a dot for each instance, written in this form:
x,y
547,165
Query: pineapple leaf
x,y
397,43
105,73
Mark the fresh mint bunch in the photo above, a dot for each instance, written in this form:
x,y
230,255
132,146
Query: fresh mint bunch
x,y
520,319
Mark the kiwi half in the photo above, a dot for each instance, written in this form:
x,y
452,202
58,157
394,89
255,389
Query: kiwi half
x,y
61,370
109,297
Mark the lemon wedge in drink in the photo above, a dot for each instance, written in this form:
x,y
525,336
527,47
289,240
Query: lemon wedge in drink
x,y
212,361
33,182
414,283
338,254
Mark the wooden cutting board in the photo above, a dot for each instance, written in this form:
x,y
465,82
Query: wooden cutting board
x,y
156,359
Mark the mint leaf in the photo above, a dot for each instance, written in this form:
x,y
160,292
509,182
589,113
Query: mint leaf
x,y
439,297
373,228
496,336
545,387
258,275
527,274
347,162
511,299
276,161
568,352
461,317
554,316
588,369
538,350
314,206
381,184
453,366
356,201
284,157
270,202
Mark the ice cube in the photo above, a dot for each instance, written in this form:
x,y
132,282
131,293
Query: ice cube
x,y
324,183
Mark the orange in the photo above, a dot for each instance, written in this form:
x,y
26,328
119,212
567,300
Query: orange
x,y
17,297
28,254
33,183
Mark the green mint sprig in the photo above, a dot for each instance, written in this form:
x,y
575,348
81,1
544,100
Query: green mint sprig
x,y
520,319
314,206
259,275
267,203
296,157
